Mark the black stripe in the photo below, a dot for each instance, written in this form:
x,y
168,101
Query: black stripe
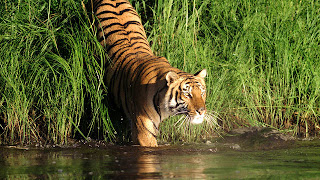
x,y
124,33
117,70
189,77
114,6
152,60
159,77
144,41
115,53
137,42
129,45
157,68
141,47
95,5
128,62
143,67
126,68
136,38
171,94
129,32
148,67
127,100
181,73
131,54
121,69
105,36
122,72
118,42
154,125
100,20
121,48
155,136
98,5
178,104
156,103
120,13
125,25
122,86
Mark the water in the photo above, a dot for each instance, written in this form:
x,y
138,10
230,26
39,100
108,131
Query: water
x,y
177,162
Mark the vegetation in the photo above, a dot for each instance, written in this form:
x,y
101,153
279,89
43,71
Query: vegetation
x,y
262,58
51,76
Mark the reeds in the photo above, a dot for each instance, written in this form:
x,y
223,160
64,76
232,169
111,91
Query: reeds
x,y
51,76
262,58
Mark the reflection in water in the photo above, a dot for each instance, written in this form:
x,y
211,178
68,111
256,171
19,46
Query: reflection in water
x,y
135,165
49,163
184,167
152,164
142,163
148,165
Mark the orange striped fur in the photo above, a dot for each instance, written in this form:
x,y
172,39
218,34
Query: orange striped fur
x,y
146,87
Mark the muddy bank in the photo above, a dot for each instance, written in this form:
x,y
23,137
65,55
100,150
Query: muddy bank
x,y
257,138
241,139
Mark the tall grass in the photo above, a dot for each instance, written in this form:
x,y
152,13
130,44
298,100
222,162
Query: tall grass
x,y
262,59
49,70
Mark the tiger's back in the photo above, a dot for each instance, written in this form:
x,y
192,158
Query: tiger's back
x,y
119,26
138,81
121,32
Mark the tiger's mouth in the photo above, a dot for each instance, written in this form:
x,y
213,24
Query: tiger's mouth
x,y
197,119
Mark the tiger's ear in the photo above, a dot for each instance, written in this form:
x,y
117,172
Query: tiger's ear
x,y
201,74
171,77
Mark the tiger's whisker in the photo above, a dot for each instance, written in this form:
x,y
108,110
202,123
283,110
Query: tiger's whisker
x,y
179,120
183,121
211,120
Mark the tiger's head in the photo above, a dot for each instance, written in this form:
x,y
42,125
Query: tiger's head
x,y
187,95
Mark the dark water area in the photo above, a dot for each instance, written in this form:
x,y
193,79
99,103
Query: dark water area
x,y
212,160
180,162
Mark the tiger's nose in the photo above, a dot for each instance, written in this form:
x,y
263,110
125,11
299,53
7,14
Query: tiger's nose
x,y
201,111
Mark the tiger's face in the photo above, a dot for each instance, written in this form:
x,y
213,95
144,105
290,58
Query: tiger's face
x,y
187,95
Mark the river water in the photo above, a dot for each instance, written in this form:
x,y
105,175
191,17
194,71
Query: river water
x,y
195,161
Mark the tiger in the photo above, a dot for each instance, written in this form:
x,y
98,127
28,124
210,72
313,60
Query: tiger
x,y
144,86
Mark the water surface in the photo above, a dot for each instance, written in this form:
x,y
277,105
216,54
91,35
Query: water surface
x,y
177,162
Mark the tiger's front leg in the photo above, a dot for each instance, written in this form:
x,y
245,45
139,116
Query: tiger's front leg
x,y
144,132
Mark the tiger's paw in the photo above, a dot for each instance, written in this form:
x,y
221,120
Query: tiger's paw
x,y
148,141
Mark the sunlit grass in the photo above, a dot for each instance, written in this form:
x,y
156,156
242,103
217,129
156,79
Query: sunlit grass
x,y
50,74
262,59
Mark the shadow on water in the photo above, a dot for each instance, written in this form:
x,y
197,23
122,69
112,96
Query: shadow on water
x,y
220,160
